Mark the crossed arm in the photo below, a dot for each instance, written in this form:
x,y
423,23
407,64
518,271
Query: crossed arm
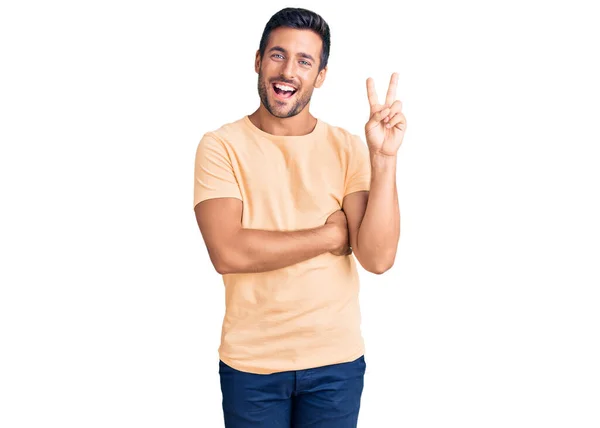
x,y
233,249
373,226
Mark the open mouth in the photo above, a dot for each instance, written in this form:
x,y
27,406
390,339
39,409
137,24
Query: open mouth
x,y
283,92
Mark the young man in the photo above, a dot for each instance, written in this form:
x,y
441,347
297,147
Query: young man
x,y
282,199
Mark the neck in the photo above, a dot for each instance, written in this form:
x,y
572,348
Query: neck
x,y
301,124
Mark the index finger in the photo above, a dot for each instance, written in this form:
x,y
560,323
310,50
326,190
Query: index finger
x,y
371,93
391,93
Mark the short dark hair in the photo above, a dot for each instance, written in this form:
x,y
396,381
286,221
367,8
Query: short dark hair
x,y
301,19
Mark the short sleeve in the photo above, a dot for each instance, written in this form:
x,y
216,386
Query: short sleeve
x,y
358,176
213,172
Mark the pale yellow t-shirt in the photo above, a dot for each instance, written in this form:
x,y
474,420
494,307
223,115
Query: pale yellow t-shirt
x,y
305,315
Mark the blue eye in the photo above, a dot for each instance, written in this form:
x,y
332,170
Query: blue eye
x,y
280,55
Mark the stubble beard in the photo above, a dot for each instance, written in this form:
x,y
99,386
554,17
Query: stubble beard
x,y
301,100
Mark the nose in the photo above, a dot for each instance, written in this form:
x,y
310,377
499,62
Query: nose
x,y
288,70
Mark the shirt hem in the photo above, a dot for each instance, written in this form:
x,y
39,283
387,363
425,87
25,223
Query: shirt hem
x,y
259,370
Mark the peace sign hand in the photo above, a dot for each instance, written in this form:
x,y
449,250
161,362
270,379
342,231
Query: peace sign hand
x,y
385,129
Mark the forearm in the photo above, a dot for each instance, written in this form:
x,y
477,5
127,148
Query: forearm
x,y
379,231
255,250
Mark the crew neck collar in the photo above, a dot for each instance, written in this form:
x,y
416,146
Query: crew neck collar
x,y
272,137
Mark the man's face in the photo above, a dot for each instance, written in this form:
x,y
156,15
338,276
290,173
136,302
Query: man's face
x,y
291,57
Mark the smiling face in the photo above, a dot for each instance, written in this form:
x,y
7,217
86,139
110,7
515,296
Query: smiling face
x,y
291,58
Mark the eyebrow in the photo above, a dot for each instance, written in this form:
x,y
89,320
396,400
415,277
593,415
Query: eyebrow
x,y
300,54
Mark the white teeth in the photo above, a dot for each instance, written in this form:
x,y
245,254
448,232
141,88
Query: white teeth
x,y
284,87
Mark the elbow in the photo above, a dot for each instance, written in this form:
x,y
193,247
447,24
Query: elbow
x,y
377,258
224,268
221,268
233,262
380,269
219,265
377,265
227,266
223,262
384,262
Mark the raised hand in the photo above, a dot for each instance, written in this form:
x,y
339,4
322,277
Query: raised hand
x,y
385,129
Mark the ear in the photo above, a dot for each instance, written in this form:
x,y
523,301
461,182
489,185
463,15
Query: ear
x,y
320,78
257,62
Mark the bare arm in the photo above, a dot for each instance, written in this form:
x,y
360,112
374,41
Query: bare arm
x,y
374,217
379,233
233,249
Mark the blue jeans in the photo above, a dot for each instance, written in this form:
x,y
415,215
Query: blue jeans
x,y
319,397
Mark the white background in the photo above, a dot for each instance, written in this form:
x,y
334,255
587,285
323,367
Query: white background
x,y
110,311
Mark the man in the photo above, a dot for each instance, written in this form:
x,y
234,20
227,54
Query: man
x,y
282,200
